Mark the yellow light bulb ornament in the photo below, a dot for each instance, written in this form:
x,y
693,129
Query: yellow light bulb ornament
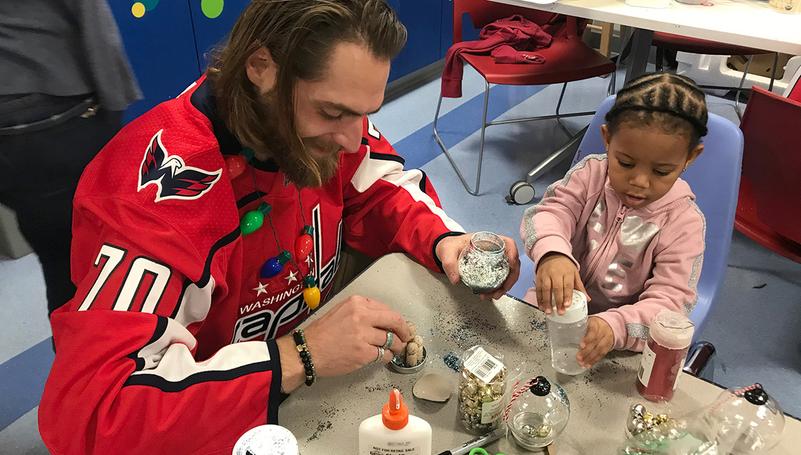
x,y
311,295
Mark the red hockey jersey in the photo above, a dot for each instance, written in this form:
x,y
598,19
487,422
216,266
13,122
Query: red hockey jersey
x,y
162,349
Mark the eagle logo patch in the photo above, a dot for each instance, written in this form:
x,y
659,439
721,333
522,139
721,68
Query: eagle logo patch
x,y
173,178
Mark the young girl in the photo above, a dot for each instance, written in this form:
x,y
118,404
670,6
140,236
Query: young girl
x,y
622,227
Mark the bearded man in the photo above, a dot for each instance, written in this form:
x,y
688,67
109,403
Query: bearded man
x,y
213,225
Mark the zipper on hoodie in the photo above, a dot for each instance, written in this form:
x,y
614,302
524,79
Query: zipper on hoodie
x,y
610,236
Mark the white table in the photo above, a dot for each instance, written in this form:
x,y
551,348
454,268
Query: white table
x,y
751,23
325,417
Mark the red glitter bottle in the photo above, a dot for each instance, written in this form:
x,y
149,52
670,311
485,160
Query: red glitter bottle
x,y
669,339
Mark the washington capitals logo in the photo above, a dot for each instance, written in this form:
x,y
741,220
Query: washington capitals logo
x,y
174,179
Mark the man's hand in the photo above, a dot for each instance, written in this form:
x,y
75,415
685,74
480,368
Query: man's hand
x,y
598,341
449,249
558,274
344,340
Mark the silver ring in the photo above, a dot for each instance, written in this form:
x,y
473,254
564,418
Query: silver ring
x,y
380,355
390,339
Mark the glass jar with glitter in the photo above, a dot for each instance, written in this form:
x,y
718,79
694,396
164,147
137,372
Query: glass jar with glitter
x,y
481,389
483,266
537,413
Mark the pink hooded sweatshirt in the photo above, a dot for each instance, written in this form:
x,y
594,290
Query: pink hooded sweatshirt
x,y
633,262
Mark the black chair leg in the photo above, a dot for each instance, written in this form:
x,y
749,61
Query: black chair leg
x,y
698,357
660,58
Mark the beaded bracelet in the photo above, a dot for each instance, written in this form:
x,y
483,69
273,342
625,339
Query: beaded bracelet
x,y
305,355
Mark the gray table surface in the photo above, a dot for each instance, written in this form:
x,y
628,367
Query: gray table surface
x,y
326,416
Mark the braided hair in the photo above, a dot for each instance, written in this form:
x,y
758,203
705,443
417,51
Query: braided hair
x,y
669,101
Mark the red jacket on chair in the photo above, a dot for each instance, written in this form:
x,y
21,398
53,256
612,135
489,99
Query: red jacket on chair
x,y
509,40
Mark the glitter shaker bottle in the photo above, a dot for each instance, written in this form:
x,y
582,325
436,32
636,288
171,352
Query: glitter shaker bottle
x,y
669,339
565,332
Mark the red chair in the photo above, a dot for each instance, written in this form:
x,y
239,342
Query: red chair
x,y
795,93
668,41
768,208
566,59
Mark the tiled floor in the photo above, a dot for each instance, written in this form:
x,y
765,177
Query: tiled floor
x,y
756,329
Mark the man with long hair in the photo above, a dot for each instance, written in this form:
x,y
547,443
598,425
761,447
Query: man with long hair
x,y
206,230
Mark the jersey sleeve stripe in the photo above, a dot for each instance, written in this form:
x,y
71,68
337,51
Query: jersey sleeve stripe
x,y
372,170
423,180
387,157
229,238
165,385
161,327
167,332
176,369
195,303
276,396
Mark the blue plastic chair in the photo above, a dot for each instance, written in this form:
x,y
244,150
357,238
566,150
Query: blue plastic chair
x,y
715,180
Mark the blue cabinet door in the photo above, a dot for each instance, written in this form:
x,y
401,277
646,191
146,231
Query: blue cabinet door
x,y
446,33
423,21
161,48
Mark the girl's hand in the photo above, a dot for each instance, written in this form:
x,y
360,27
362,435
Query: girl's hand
x,y
558,274
598,341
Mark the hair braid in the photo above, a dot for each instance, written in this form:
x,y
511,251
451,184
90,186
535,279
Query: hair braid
x,y
670,101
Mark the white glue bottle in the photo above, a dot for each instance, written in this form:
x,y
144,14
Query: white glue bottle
x,y
394,431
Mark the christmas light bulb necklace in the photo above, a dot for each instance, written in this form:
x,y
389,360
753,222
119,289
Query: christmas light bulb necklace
x,y
253,220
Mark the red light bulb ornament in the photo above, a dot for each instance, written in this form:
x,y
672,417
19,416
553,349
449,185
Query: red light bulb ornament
x,y
304,243
311,295
254,219
237,164
275,264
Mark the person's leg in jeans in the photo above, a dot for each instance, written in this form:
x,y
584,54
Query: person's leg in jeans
x,y
41,171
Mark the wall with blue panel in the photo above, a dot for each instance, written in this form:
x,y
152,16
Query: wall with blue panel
x,y
423,21
446,35
212,25
160,42
168,41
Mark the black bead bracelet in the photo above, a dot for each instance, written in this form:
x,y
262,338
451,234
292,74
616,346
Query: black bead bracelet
x,y
305,355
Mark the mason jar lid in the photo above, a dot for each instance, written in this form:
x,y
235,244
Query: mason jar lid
x,y
574,313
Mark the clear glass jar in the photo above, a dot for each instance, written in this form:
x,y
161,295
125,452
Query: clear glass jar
x,y
537,413
744,421
483,266
741,421
565,332
481,389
